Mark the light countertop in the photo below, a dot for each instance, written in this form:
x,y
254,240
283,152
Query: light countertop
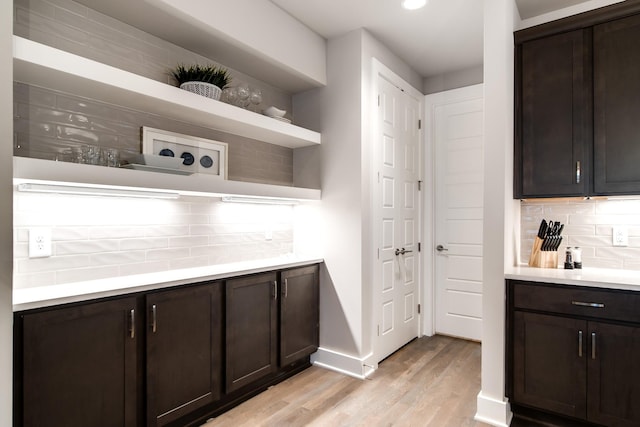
x,y
43,296
595,277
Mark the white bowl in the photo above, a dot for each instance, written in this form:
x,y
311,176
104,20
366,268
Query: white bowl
x,y
274,112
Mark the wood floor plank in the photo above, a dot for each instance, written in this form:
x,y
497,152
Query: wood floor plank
x,y
433,381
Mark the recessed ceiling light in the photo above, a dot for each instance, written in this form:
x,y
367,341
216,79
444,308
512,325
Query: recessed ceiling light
x,y
413,4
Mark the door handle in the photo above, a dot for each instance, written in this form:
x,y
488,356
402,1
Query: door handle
x,y
285,291
402,251
593,345
275,289
441,248
579,343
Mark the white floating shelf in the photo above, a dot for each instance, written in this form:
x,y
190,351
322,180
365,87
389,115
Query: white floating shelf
x,y
51,172
44,66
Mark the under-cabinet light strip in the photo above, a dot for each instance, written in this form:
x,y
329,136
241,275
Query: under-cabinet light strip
x,y
94,191
259,200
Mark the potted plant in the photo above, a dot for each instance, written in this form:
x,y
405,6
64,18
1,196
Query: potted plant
x,y
205,80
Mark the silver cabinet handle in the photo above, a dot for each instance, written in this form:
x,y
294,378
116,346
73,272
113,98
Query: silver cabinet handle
x,y
132,319
578,172
275,289
154,319
441,248
286,288
593,345
579,343
588,304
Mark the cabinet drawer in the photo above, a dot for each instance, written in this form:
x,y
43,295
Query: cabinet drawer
x,y
578,301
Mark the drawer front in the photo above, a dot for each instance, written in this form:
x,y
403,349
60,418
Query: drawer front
x,y
578,301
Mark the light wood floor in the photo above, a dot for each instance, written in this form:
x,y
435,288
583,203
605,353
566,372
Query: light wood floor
x,y
430,382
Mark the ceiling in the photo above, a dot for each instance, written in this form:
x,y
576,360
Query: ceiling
x,y
444,36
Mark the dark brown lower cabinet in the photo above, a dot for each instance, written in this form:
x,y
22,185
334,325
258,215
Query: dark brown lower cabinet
x,y
79,366
157,358
299,313
252,329
574,352
184,351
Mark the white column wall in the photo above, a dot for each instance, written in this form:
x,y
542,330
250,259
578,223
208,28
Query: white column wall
x,y
6,211
500,20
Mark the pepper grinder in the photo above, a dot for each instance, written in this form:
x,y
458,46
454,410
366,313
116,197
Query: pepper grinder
x,y
568,261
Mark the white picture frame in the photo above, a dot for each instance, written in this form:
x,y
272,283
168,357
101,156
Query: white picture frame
x,y
200,155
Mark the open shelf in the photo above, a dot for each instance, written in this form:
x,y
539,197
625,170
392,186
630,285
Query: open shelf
x,y
52,172
44,66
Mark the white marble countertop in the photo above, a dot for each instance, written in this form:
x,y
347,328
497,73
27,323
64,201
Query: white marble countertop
x,y
44,296
595,277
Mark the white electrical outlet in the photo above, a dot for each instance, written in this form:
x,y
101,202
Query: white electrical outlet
x,y
39,242
620,236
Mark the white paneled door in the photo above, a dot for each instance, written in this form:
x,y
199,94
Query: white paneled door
x,y
458,143
397,217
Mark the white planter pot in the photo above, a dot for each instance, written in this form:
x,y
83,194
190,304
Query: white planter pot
x,y
202,88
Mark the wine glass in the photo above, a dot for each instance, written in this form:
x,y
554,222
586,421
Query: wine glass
x,y
255,98
243,96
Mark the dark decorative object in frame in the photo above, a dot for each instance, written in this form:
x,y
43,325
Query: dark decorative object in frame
x,y
199,155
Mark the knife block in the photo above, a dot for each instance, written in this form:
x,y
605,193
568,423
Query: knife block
x,y
540,258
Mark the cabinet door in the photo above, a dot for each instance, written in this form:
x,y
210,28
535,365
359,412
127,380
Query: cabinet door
x,y
251,339
184,351
614,375
552,116
299,314
617,107
79,366
550,363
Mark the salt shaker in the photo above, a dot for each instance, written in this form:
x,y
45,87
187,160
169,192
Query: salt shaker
x,y
577,257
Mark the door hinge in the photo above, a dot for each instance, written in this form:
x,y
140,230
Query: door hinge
x,y
378,330
418,308
378,253
419,185
419,124
419,246
378,177
378,100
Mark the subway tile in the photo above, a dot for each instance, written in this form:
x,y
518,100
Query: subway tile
x,y
40,7
602,262
188,241
84,274
144,268
71,6
85,247
117,258
167,254
36,265
190,262
33,280
116,232
143,243
167,230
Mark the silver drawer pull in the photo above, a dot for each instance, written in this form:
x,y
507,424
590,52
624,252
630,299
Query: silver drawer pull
x,y
593,345
588,304
132,319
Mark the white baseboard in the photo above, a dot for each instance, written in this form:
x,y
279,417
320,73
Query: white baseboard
x,y
343,363
493,411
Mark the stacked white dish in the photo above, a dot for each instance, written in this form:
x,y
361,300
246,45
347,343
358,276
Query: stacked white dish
x,y
276,113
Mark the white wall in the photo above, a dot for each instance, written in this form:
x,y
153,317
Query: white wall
x,y
500,19
6,212
453,80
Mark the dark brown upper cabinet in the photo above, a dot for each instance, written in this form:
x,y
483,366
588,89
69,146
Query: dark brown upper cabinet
x,y
616,54
577,81
552,131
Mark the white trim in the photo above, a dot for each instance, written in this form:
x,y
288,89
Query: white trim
x,y
492,411
342,363
431,102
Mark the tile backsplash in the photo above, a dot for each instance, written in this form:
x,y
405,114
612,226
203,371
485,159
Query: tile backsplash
x,y
103,237
589,225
